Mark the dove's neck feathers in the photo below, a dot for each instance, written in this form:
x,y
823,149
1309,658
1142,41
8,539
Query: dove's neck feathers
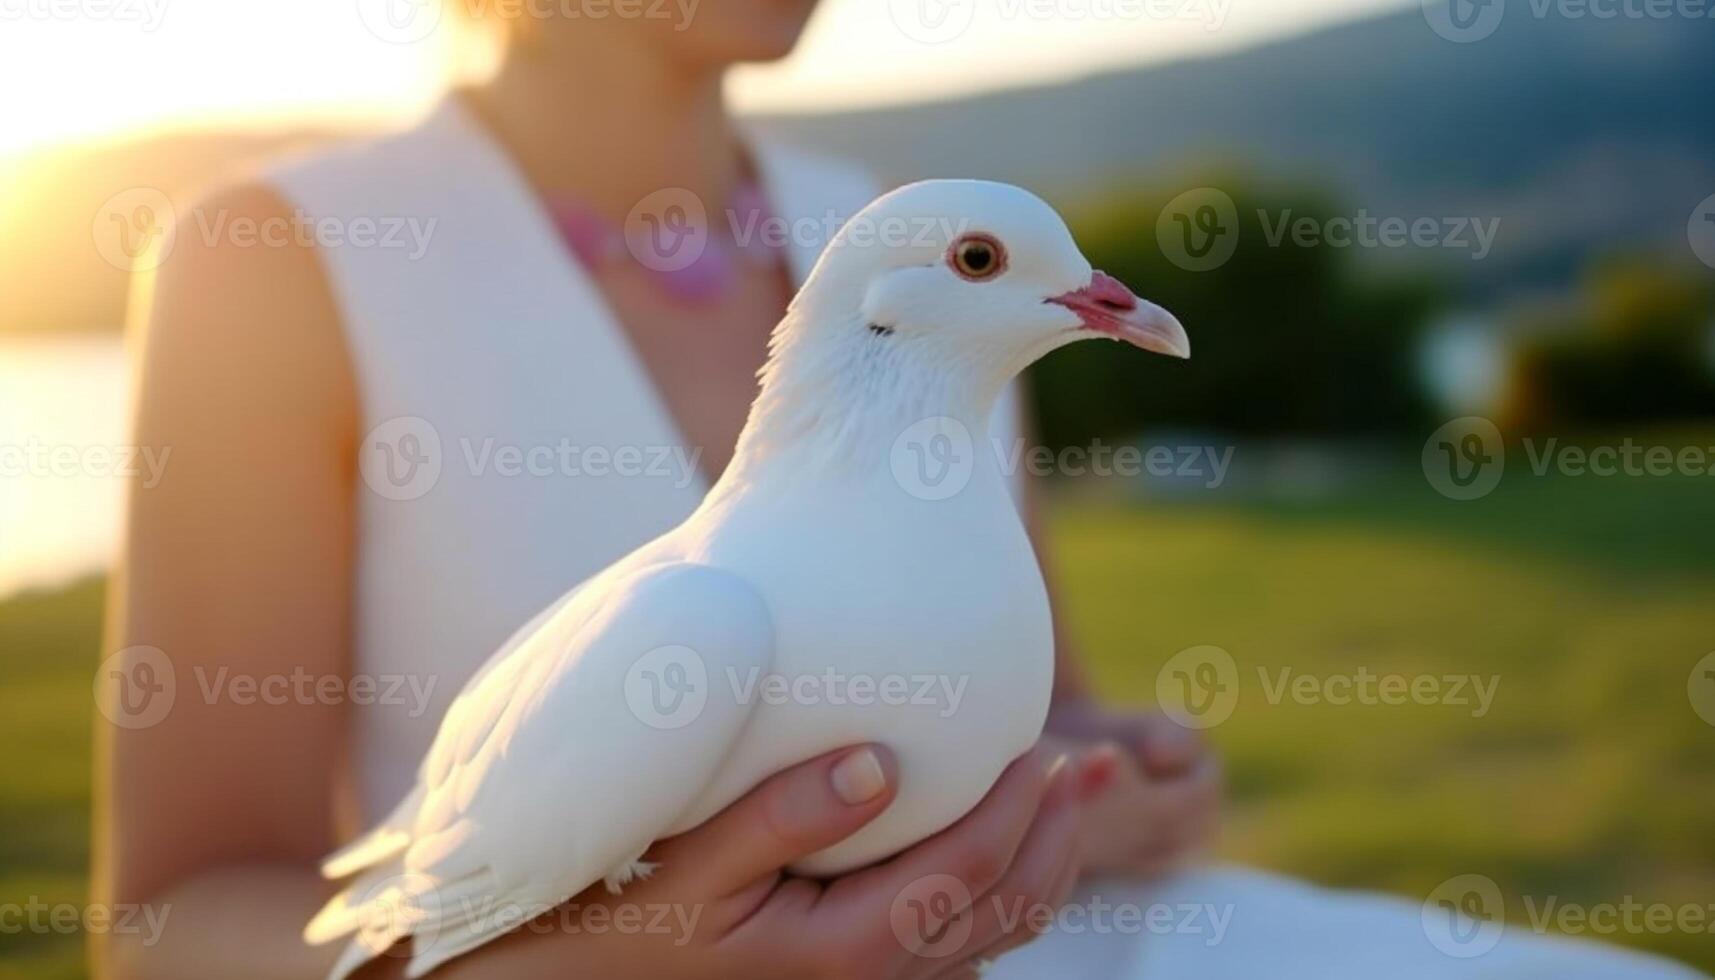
x,y
837,391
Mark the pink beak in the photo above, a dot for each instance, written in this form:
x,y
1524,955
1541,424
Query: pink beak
x,y
1107,307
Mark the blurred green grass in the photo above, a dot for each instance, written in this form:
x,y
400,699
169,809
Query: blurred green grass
x,y
1588,781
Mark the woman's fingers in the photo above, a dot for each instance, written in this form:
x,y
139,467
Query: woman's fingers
x,y
1164,747
919,901
1065,880
793,814
978,848
1011,913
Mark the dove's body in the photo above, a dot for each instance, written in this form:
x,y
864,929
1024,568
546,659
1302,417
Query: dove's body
x,y
859,574
896,620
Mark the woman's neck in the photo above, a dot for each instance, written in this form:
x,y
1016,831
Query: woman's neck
x,y
611,121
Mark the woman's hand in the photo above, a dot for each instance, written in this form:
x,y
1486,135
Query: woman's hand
x,y
720,904
1152,790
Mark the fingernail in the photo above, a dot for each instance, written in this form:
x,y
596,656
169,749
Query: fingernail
x,y
1059,772
858,777
1098,775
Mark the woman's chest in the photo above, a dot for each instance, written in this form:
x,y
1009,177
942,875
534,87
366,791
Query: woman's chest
x,y
702,357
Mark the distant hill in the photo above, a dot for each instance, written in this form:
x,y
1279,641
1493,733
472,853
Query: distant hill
x,y
1581,135
1578,134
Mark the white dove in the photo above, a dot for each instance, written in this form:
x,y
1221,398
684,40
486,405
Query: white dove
x,y
858,574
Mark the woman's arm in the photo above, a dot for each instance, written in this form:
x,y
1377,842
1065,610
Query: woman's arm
x,y
237,563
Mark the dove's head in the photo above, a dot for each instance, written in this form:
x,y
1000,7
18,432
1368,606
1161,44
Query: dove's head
x,y
928,301
986,268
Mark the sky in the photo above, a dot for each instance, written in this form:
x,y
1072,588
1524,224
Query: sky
x,y
74,69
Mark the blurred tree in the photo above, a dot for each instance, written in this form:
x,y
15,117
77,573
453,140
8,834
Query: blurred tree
x,y
1636,348
1288,339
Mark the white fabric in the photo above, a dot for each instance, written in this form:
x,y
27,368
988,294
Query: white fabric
x,y
493,338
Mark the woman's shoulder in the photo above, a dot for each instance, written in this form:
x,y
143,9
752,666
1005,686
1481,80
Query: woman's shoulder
x,y
240,306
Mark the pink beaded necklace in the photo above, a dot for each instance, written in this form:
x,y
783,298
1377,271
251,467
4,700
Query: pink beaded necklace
x,y
707,276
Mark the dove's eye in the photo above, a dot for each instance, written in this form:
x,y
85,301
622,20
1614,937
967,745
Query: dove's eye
x,y
977,257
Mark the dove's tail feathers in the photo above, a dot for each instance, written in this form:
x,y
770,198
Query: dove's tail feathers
x,y
387,839
346,912
387,904
377,909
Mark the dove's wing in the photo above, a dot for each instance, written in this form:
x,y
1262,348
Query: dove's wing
x,y
562,762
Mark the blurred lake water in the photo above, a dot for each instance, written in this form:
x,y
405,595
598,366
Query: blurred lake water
x,y
63,433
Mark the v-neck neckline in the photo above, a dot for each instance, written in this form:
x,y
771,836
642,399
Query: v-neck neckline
x,y
571,274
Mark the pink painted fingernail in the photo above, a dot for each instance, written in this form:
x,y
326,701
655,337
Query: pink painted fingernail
x,y
858,777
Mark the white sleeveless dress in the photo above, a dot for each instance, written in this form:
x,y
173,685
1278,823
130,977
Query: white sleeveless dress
x,y
516,445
